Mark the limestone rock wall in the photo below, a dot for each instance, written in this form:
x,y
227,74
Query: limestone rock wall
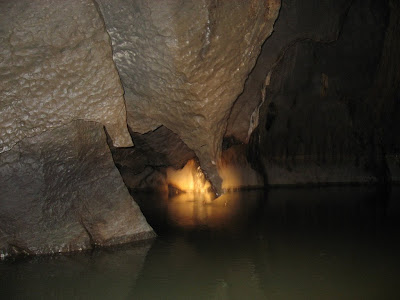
x,y
60,191
326,100
143,167
183,64
59,87
55,67
321,105
298,21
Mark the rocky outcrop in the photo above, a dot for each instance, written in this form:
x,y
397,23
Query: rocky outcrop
x,y
143,167
183,64
59,188
60,191
56,66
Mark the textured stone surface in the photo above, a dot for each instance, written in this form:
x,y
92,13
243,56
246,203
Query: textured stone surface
x,y
60,191
56,66
144,165
183,64
322,119
298,20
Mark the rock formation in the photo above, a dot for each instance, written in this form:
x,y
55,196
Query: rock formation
x,y
56,66
321,105
144,167
60,191
59,188
183,64
298,21
310,107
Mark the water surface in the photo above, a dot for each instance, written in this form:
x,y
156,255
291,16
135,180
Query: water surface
x,y
319,243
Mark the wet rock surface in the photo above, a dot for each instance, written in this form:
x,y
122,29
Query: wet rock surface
x,y
56,66
183,64
60,191
143,167
298,20
320,96
236,171
320,106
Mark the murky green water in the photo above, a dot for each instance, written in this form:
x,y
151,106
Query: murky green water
x,y
321,243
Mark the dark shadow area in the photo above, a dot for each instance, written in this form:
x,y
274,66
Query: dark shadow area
x,y
299,243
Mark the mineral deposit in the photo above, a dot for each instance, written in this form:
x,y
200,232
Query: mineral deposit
x,y
183,64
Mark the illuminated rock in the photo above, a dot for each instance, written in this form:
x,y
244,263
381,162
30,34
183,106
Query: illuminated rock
x,y
60,192
183,64
188,179
236,172
143,167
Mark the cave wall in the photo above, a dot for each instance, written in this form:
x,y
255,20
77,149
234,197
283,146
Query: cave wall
x,y
144,167
183,64
321,105
56,66
61,192
59,188
384,98
67,90
298,20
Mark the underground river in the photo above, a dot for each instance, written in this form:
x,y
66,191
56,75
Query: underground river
x,y
297,243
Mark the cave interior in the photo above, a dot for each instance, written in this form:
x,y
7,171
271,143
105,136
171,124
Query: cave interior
x,y
100,100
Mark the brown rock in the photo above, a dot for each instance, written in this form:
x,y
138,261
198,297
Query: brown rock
x,y
56,66
183,64
60,191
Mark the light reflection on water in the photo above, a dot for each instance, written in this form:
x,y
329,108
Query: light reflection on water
x,y
327,243
201,210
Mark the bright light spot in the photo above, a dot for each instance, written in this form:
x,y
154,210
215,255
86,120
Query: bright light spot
x,y
188,179
231,178
236,177
191,210
236,172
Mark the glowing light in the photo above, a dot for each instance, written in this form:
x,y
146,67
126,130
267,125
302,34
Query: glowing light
x,y
194,205
188,210
188,179
236,172
235,177
231,178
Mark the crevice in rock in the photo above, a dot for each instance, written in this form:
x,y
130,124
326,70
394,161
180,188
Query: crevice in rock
x,y
89,234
